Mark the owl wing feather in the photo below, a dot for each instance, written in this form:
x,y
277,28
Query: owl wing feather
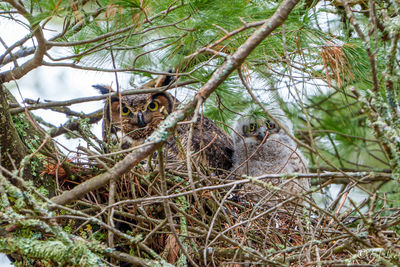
x,y
210,145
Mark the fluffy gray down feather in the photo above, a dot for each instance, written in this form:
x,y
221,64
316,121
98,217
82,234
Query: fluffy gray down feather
x,y
279,154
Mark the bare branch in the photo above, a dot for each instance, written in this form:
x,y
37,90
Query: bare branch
x,y
167,126
37,59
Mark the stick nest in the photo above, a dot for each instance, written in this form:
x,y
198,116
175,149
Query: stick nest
x,y
217,225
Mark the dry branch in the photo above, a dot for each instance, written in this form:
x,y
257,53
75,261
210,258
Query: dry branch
x,y
165,128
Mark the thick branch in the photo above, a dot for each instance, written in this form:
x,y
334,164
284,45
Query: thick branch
x,y
167,126
73,124
37,59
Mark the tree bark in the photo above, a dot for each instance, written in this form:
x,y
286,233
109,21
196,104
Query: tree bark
x,y
12,148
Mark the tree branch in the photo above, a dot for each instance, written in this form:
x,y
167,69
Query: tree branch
x,y
96,98
161,135
37,59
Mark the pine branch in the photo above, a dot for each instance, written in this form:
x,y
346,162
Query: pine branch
x,y
167,126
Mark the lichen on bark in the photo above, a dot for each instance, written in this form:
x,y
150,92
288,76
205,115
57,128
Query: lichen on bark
x,y
12,147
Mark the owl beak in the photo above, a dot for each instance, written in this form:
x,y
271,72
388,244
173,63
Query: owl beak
x,y
262,131
140,118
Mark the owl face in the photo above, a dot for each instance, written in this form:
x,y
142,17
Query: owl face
x,y
259,129
139,115
256,129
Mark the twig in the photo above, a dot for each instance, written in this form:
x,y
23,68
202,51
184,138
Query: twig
x,y
167,208
37,59
189,155
166,127
95,98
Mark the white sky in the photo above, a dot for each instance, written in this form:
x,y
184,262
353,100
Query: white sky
x,y
56,83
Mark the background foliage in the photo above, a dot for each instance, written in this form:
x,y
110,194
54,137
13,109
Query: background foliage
x,y
333,66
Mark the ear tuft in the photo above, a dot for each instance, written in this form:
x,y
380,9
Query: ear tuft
x,y
103,89
165,80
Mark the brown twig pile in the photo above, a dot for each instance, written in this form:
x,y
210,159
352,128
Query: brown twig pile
x,y
224,228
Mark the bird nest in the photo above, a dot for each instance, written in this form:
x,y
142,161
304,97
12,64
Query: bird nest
x,y
206,220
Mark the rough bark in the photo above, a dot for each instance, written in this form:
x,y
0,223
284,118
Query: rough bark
x,y
19,138
12,147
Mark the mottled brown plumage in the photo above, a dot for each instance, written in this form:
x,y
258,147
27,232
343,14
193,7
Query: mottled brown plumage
x,y
210,144
137,116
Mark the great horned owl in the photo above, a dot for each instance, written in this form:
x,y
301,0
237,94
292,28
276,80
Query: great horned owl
x,y
137,116
274,152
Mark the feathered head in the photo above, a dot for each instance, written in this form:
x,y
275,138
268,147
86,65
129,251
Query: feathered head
x,y
256,125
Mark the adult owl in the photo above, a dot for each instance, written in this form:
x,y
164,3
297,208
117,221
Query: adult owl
x,y
137,116
262,147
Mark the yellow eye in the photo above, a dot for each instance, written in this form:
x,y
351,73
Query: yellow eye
x,y
125,111
153,106
270,125
252,127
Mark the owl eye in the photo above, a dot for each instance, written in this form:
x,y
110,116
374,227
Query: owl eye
x,y
270,125
252,127
153,106
125,111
